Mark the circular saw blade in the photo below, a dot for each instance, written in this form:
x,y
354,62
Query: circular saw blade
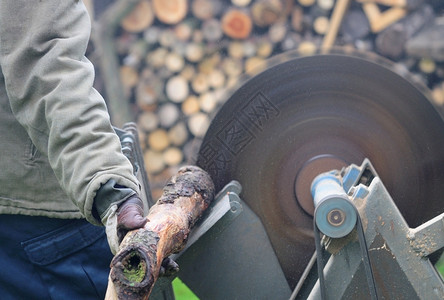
x,y
313,114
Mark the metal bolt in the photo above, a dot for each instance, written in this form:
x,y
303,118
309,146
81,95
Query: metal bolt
x,y
336,217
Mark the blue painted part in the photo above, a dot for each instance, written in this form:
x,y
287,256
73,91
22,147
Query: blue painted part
x,y
328,195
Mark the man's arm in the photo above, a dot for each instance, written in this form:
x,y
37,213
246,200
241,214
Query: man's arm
x,y
49,85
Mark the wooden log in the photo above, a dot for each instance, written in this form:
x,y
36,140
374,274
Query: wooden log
x,y
277,31
167,38
148,121
212,30
236,50
380,20
408,4
216,78
170,11
178,134
326,4
136,266
297,17
157,57
264,48
177,89
199,83
266,12
190,106
254,65
207,102
184,30
209,63
172,156
128,76
188,72
158,140
168,114
321,25
291,41
206,9
438,94
249,47
198,124
194,52
151,34
153,161
140,18
307,3
236,24
335,23
241,3
232,67
174,62
307,48
427,65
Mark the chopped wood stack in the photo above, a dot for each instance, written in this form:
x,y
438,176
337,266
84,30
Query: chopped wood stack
x,y
177,57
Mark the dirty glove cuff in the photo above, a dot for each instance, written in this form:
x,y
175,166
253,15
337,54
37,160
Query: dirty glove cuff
x,y
121,218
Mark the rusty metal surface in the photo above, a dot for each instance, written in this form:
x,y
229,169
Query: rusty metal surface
x,y
312,114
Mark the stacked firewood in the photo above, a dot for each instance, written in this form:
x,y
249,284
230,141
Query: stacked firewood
x,y
177,58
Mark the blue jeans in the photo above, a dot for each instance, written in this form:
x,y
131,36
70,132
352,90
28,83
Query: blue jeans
x,y
45,258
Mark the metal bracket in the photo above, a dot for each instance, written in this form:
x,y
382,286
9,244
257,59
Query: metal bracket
x,y
398,253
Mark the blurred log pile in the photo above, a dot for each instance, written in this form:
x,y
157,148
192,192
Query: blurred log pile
x,y
177,58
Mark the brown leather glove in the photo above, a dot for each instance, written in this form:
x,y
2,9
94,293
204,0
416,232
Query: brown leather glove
x,y
130,216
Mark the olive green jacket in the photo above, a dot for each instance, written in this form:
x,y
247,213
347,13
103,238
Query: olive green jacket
x,y
57,146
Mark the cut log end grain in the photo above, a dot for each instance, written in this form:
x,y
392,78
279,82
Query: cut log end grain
x,y
241,3
170,11
205,9
190,106
168,115
177,89
135,268
174,62
254,65
140,18
158,140
198,124
266,13
306,3
236,24
200,83
172,156
427,65
178,134
321,25
153,161
128,76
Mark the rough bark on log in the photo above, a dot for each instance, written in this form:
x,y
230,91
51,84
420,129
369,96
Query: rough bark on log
x,y
135,268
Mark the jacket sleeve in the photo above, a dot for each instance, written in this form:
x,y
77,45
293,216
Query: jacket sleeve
x,y
49,85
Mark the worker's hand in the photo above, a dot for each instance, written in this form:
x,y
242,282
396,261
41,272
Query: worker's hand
x,y
122,218
129,216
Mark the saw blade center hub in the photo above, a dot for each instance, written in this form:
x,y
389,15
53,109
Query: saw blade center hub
x,y
312,168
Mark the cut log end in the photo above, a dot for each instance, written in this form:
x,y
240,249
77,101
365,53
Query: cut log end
x,y
131,267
